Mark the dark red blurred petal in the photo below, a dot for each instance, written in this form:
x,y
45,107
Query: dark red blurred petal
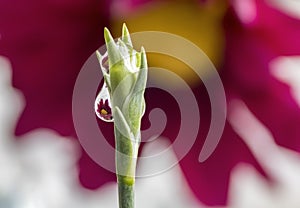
x,y
246,75
47,42
248,54
209,180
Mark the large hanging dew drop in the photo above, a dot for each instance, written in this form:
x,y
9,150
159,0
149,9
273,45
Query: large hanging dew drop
x,y
103,105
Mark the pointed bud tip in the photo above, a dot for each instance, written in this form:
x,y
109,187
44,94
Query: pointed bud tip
x,y
107,36
125,31
143,58
99,56
126,35
112,48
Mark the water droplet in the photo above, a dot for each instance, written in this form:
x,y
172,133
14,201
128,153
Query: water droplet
x,y
103,105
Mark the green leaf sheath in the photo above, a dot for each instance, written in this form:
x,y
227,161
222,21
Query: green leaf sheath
x,y
135,110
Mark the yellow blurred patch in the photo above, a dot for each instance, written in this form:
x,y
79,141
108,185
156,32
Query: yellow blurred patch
x,y
199,23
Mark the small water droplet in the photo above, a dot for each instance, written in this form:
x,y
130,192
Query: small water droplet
x,y
104,63
103,105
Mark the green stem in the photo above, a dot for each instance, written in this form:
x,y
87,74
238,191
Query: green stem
x,y
126,193
126,86
125,167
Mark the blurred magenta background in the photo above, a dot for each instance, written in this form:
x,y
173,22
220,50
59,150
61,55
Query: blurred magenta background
x,y
48,41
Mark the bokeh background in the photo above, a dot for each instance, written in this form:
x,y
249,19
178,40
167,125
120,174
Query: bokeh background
x,y
254,45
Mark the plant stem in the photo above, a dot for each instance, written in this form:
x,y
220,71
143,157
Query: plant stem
x,y
126,193
126,84
125,167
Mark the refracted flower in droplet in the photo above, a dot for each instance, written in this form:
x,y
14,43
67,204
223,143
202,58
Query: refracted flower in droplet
x,y
103,105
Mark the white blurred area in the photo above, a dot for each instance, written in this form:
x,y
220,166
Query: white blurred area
x,y
247,187
39,170
289,7
287,69
247,9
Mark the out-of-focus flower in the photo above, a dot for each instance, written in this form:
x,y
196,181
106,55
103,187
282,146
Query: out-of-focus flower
x,y
44,55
